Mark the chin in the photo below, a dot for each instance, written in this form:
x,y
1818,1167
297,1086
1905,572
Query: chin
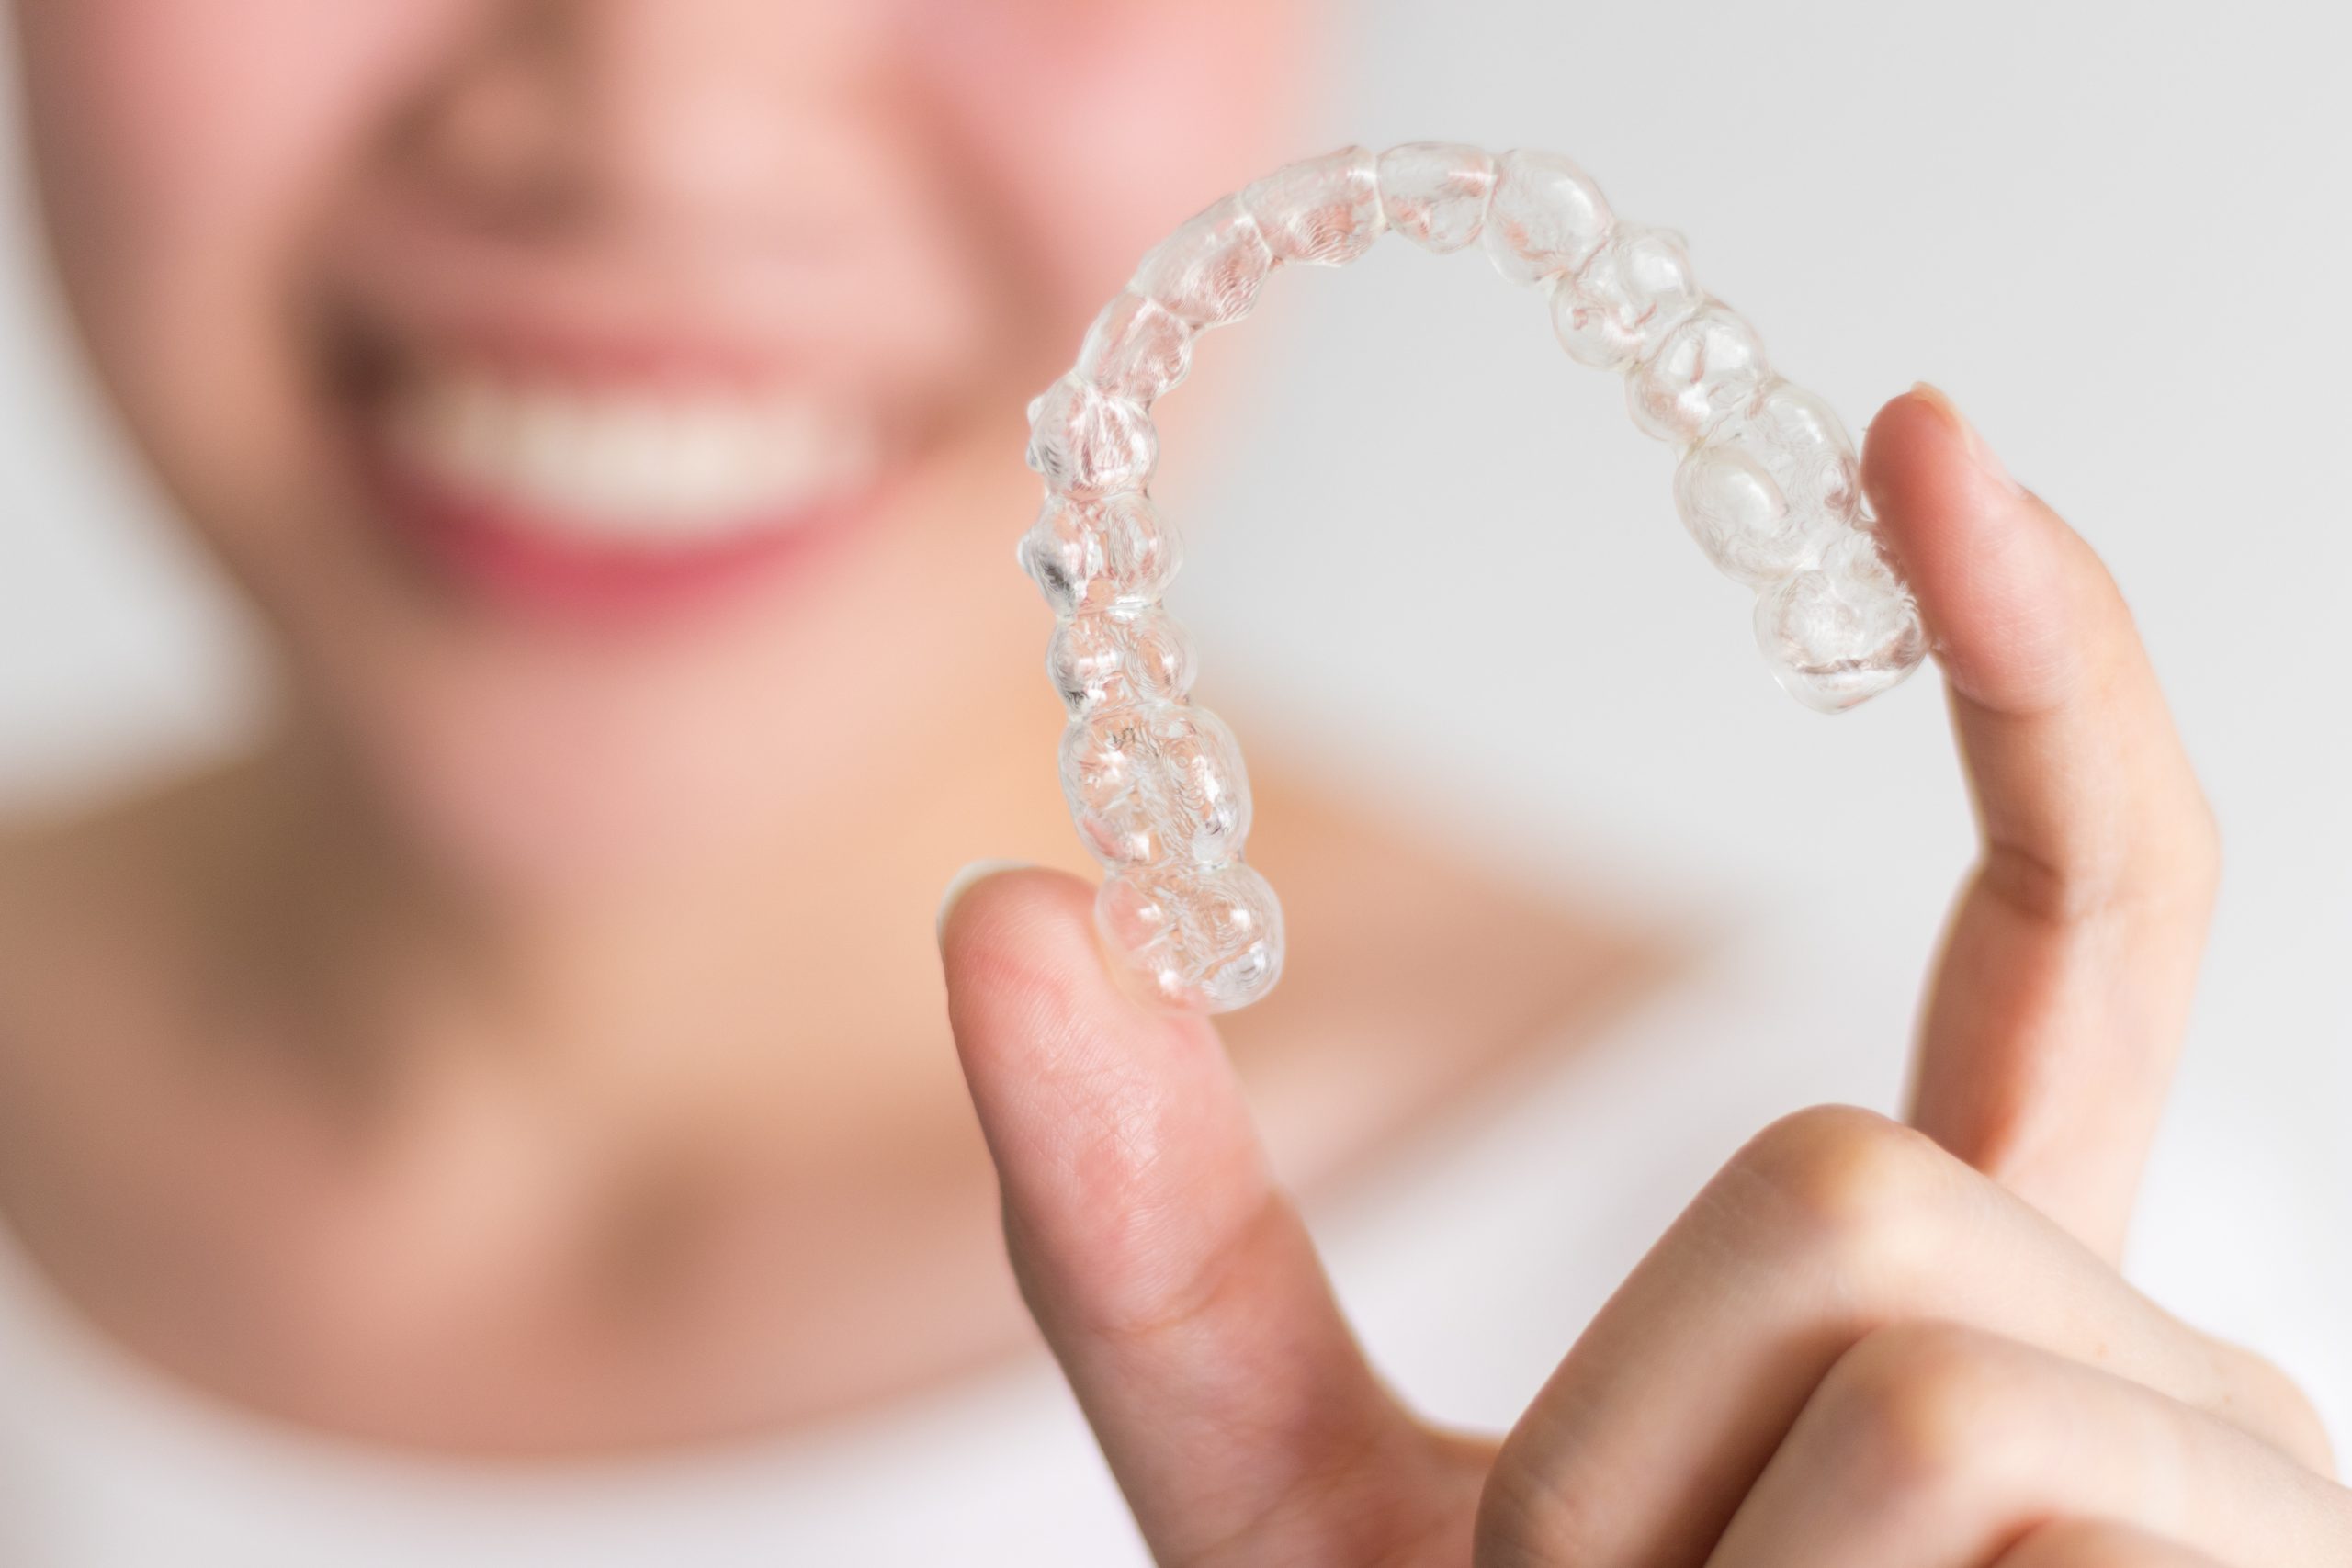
x,y
525,742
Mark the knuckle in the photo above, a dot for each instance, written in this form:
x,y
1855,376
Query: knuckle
x,y
1514,1513
2200,839
1137,1294
2035,886
1927,1409
2176,867
1851,1190
2256,1394
1530,1511
2092,1544
2163,856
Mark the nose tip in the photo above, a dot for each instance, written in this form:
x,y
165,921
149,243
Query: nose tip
x,y
672,108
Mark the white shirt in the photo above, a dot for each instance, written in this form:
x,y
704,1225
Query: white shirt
x,y
1468,1262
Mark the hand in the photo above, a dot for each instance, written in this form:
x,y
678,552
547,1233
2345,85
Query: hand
x,y
1863,1343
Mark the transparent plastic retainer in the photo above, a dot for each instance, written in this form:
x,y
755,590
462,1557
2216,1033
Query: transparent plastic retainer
x,y
1766,481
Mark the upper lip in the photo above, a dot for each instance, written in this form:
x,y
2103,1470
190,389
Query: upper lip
x,y
410,281
371,349
603,355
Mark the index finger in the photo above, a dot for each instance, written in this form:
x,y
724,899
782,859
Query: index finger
x,y
2056,1010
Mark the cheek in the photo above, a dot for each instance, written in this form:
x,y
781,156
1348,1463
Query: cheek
x,y
191,125
1097,127
186,123
180,152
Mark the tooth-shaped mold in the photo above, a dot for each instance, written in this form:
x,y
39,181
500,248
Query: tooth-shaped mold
x,y
1098,555
1619,307
1205,788
1325,210
1207,273
1207,940
1107,771
1703,372
1135,350
1085,443
1546,216
1839,633
1434,193
1117,657
1766,481
1773,489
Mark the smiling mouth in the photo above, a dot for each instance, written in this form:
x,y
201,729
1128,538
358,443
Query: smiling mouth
x,y
552,481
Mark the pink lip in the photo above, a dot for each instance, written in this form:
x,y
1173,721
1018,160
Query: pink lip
x,y
508,560
606,355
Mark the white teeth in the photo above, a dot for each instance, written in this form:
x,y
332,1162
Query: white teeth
x,y
628,467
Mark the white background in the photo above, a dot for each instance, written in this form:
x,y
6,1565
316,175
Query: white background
x,y
1433,549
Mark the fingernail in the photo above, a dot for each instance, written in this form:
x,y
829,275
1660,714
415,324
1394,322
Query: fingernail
x,y
1987,463
961,884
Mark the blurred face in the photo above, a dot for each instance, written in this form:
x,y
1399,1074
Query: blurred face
x,y
613,406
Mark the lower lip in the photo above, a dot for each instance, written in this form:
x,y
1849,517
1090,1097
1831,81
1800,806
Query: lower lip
x,y
499,555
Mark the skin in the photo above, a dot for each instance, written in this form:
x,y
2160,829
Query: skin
x,y
512,1055
518,1051
1865,1343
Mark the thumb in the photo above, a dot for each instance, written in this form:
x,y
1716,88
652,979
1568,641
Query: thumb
x,y
1171,1277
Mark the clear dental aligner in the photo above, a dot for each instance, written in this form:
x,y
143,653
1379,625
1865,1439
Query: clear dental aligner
x,y
1766,483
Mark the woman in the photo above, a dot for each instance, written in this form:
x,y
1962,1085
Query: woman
x,y
535,1050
